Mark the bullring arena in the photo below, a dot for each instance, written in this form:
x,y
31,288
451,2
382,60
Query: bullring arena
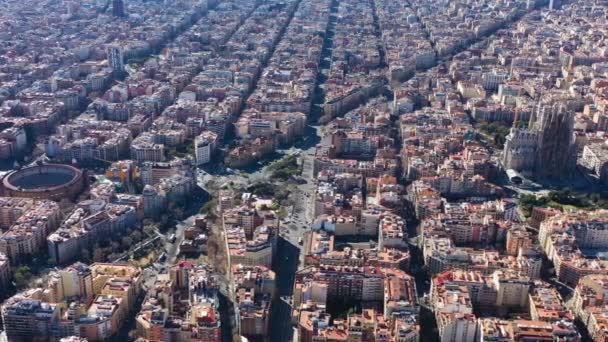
x,y
47,181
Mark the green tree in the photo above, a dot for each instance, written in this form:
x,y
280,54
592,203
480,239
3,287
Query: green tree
x,y
99,254
115,246
496,130
209,207
282,214
262,189
136,236
126,242
281,196
114,256
528,202
21,276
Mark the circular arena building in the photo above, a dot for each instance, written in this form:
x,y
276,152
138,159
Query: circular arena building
x,y
47,181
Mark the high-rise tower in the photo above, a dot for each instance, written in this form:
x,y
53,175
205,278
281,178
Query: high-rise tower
x,y
116,59
554,4
118,8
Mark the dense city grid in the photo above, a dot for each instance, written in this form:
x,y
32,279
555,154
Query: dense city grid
x,y
304,170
